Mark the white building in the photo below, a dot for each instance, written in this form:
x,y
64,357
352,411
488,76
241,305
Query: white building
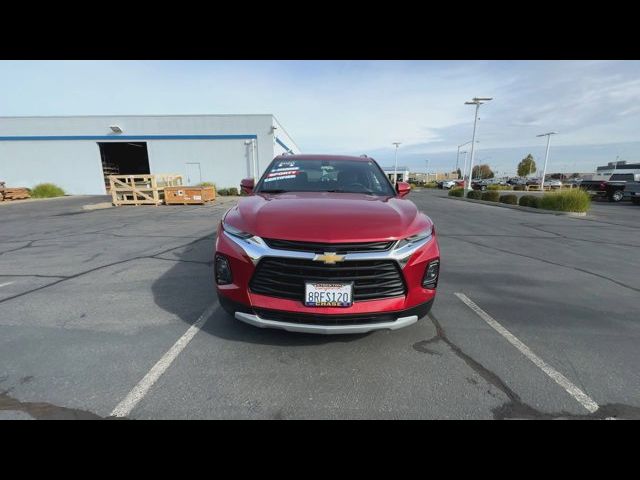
x,y
77,152
402,173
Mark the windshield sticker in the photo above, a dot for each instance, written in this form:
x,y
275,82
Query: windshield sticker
x,y
287,164
279,178
282,174
285,169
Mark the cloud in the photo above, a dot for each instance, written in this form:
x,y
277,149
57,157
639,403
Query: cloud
x,y
355,106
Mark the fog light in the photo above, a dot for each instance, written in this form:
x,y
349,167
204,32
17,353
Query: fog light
x,y
222,270
430,279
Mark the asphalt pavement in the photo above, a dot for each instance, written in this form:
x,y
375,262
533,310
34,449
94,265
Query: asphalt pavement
x,y
113,310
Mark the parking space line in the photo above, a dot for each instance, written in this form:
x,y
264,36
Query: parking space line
x,y
5,284
140,390
582,398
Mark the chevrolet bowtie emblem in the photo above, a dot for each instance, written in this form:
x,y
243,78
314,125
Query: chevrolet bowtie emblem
x,y
329,257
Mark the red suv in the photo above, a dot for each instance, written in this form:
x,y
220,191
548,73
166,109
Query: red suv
x,y
325,244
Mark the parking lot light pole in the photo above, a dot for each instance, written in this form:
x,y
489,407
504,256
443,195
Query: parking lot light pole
x,y
546,156
464,171
395,170
477,101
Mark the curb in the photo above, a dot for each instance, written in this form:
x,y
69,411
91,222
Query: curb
x,y
97,206
524,209
31,200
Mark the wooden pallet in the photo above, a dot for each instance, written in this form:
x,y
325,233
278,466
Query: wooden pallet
x,y
7,194
140,189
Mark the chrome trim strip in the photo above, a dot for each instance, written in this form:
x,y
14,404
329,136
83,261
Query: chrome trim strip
x,y
256,321
256,248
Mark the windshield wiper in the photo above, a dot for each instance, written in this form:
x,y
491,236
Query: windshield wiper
x,y
275,190
338,190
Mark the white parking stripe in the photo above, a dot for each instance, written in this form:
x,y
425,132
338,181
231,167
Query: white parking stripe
x,y
140,390
584,399
5,284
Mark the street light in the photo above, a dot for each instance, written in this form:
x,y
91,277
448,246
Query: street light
x,y
477,101
395,170
546,156
464,170
458,155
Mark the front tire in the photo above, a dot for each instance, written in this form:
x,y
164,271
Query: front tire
x,y
616,196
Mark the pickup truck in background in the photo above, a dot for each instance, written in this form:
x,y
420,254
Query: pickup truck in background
x,y
612,188
632,189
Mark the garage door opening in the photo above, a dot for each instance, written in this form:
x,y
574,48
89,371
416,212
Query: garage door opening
x,y
123,158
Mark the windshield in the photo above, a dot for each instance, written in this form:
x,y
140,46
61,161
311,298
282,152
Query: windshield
x,y
344,176
622,176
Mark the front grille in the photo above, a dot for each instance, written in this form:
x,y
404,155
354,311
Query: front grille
x,y
341,248
285,277
305,318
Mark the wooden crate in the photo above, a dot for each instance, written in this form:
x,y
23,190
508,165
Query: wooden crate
x,y
189,195
7,194
140,189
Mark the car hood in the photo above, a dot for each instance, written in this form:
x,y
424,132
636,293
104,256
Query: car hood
x,y
327,217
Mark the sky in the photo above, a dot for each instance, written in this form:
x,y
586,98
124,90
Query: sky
x,y
361,107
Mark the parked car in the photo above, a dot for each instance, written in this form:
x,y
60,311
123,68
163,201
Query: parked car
x,y
497,181
480,185
447,184
633,191
612,188
553,183
325,244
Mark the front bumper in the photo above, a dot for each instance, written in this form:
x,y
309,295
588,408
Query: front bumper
x,y
326,324
268,311
256,321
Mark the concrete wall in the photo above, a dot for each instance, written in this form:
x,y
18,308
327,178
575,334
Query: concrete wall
x,y
224,162
75,166
64,150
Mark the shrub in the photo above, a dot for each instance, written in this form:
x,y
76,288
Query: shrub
x,y
575,200
207,184
519,187
456,192
430,185
491,196
46,190
223,192
233,191
499,187
509,199
529,201
474,194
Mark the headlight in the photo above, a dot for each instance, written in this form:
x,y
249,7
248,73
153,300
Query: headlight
x,y
415,238
235,232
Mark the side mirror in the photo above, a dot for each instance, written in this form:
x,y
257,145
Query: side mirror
x,y
247,185
403,189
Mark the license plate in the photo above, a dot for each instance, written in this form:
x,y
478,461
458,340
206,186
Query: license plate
x,y
327,294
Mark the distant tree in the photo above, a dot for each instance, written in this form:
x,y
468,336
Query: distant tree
x,y
527,166
459,172
482,171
